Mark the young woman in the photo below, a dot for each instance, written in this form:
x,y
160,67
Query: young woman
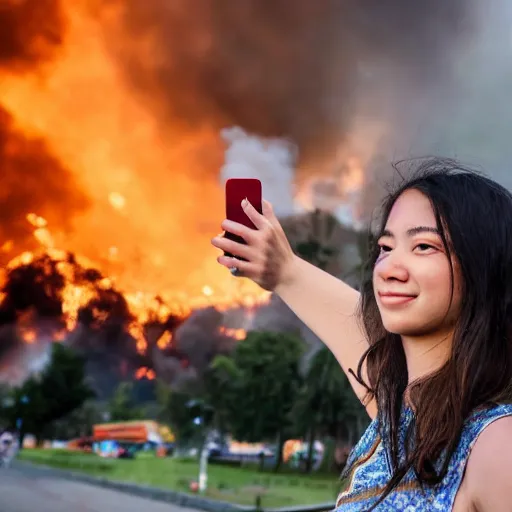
x,y
426,345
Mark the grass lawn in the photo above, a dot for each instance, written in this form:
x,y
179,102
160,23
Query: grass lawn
x,y
237,485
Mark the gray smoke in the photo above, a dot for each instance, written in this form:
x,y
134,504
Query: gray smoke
x,y
473,119
377,80
321,73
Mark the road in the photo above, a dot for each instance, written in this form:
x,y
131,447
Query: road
x,y
22,490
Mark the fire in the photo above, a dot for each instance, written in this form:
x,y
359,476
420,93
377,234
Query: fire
x,y
153,208
164,341
145,373
353,179
237,334
28,335
7,246
153,202
35,220
79,285
117,200
341,184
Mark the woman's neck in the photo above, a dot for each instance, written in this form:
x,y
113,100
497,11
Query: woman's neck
x,y
426,354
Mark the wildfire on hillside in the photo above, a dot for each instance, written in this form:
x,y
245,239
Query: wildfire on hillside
x,y
46,293
104,226
110,115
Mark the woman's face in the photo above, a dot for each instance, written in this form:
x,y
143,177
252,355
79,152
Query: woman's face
x,y
411,278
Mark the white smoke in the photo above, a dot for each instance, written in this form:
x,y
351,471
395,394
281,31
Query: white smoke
x,y
25,360
272,161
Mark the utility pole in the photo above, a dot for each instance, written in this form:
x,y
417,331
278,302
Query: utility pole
x,y
201,420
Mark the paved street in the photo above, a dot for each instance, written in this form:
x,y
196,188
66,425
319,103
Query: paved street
x,y
22,490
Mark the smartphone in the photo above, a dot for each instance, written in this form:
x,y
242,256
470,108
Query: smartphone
x,y
238,189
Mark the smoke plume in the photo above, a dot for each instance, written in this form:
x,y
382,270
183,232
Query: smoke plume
x,y
272,161
307,72
31,31
32,179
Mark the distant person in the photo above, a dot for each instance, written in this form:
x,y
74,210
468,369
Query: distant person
x,y
426,345
7,448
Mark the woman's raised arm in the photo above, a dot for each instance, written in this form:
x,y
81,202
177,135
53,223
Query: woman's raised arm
x,y
327,305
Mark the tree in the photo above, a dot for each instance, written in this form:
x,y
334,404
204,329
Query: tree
x,y
327,404
317,240
265,379
221,380
79,423
122,406
6,401
177,408
57,391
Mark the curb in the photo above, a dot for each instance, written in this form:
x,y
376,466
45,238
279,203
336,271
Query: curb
x,y
163,495
155,493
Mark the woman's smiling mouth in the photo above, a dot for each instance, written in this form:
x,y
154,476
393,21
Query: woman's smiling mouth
x,y
395,299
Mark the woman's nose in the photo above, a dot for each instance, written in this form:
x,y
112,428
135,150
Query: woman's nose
x,y
392,267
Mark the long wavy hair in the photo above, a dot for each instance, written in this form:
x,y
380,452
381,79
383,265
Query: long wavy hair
x,y
474,217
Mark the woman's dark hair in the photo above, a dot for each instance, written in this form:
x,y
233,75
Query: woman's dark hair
x,y
474,217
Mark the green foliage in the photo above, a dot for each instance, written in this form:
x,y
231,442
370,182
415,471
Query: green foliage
x,y
57,391
327,405
176,411
327,402
221,380
327,397
253,391
78,423
122,406
62,383
268,383
314,248
259,394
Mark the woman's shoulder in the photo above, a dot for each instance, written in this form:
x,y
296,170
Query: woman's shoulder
x,y
483,420
489,463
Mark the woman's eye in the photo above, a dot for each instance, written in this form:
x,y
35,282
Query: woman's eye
x,y
384,248
424,247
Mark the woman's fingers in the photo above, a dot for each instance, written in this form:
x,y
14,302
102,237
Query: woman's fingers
x,y
238,229
256,217
244,268
268,213
260,221
266,251
236,248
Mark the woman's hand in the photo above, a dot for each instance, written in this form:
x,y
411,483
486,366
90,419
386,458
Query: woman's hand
x,y
267,252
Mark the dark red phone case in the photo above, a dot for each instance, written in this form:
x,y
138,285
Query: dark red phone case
x,y
236,190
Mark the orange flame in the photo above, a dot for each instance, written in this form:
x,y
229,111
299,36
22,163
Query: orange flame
x,y
153,207
236,334
165,340
145,373
28,335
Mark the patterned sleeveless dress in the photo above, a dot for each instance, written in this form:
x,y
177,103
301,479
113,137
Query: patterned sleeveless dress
x,y
372,469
